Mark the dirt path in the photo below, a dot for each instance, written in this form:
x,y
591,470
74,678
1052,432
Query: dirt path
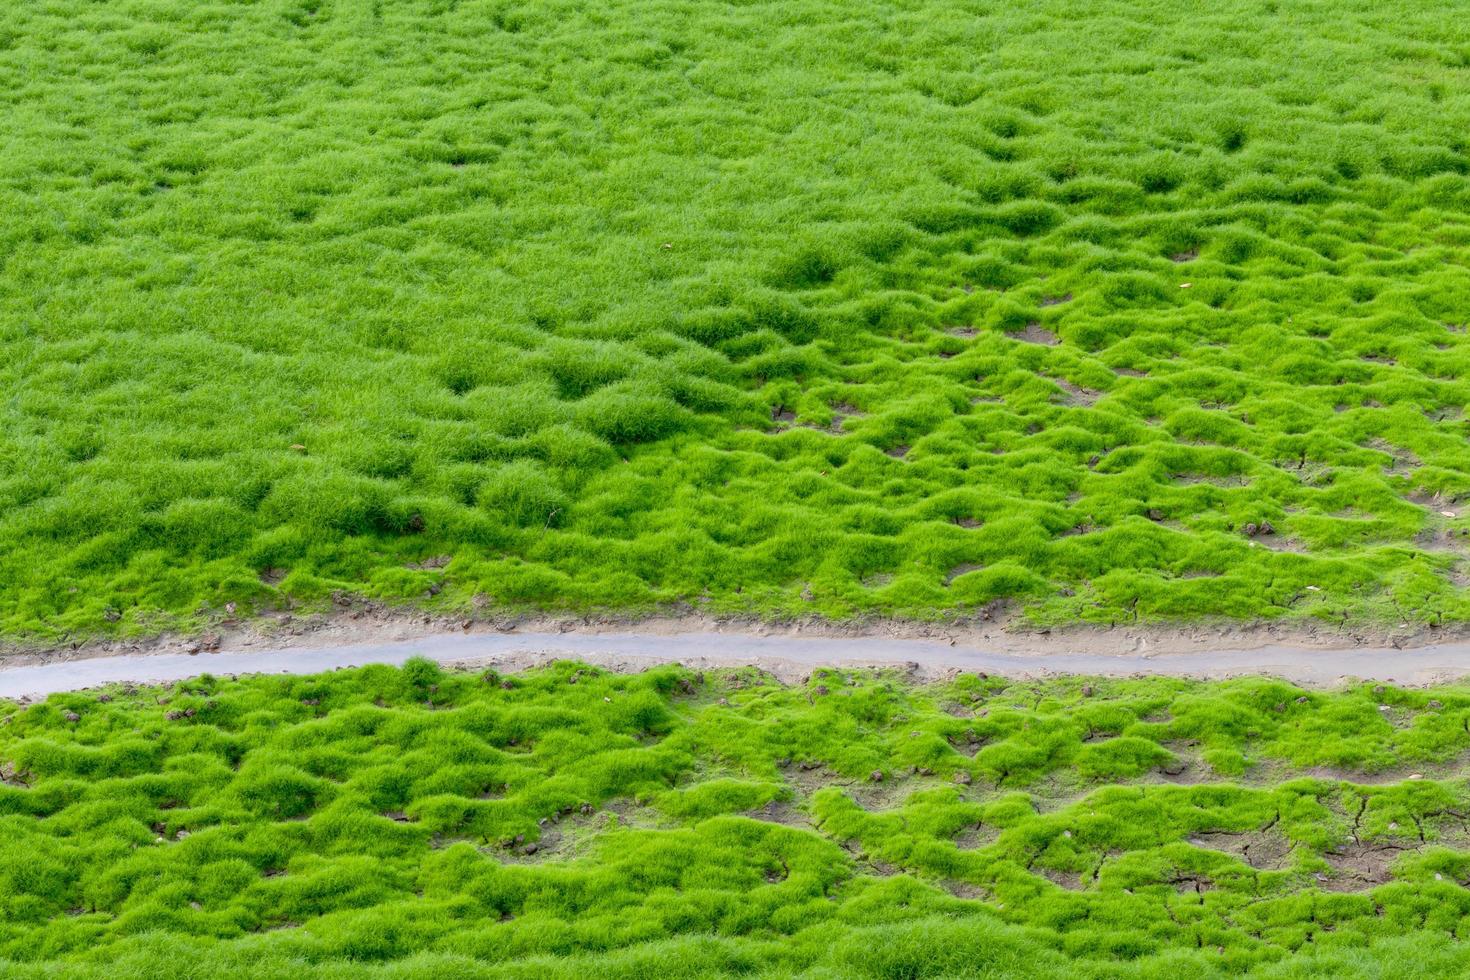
x,y
789,654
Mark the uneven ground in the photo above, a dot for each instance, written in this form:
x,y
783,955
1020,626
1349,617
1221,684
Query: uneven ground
x,y
1119,311
573,822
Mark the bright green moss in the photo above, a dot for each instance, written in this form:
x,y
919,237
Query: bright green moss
x,y
769,306
568,821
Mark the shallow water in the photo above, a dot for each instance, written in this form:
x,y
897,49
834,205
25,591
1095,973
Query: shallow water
x,y
1422,665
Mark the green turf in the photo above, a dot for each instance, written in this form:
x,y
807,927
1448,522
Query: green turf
x,y
745,304
569,822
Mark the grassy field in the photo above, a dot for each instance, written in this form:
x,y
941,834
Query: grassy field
x,y
568,822
783,308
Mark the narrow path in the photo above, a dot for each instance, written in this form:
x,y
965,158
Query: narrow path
x,y
788,656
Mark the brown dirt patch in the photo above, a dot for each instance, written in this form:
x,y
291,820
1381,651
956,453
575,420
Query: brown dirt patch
x,y
1447,539
1403,463
976,837
1227,482
1262,850
1070,880
780,812
1358,866
1187,882
1075,395
1278,542
1035,333
1185,770
965,889
841,412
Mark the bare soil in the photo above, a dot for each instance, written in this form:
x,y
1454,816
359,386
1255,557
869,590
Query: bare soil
x,y
356,632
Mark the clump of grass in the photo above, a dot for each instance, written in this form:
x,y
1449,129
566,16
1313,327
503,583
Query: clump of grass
x,y
569,821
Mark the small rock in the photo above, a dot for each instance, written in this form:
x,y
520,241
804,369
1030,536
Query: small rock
x,y
1434,705
962,777
530,849
1251,530
72,716
876,775
1087,691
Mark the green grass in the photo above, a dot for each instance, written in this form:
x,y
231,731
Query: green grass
x,y
569,822
645,303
